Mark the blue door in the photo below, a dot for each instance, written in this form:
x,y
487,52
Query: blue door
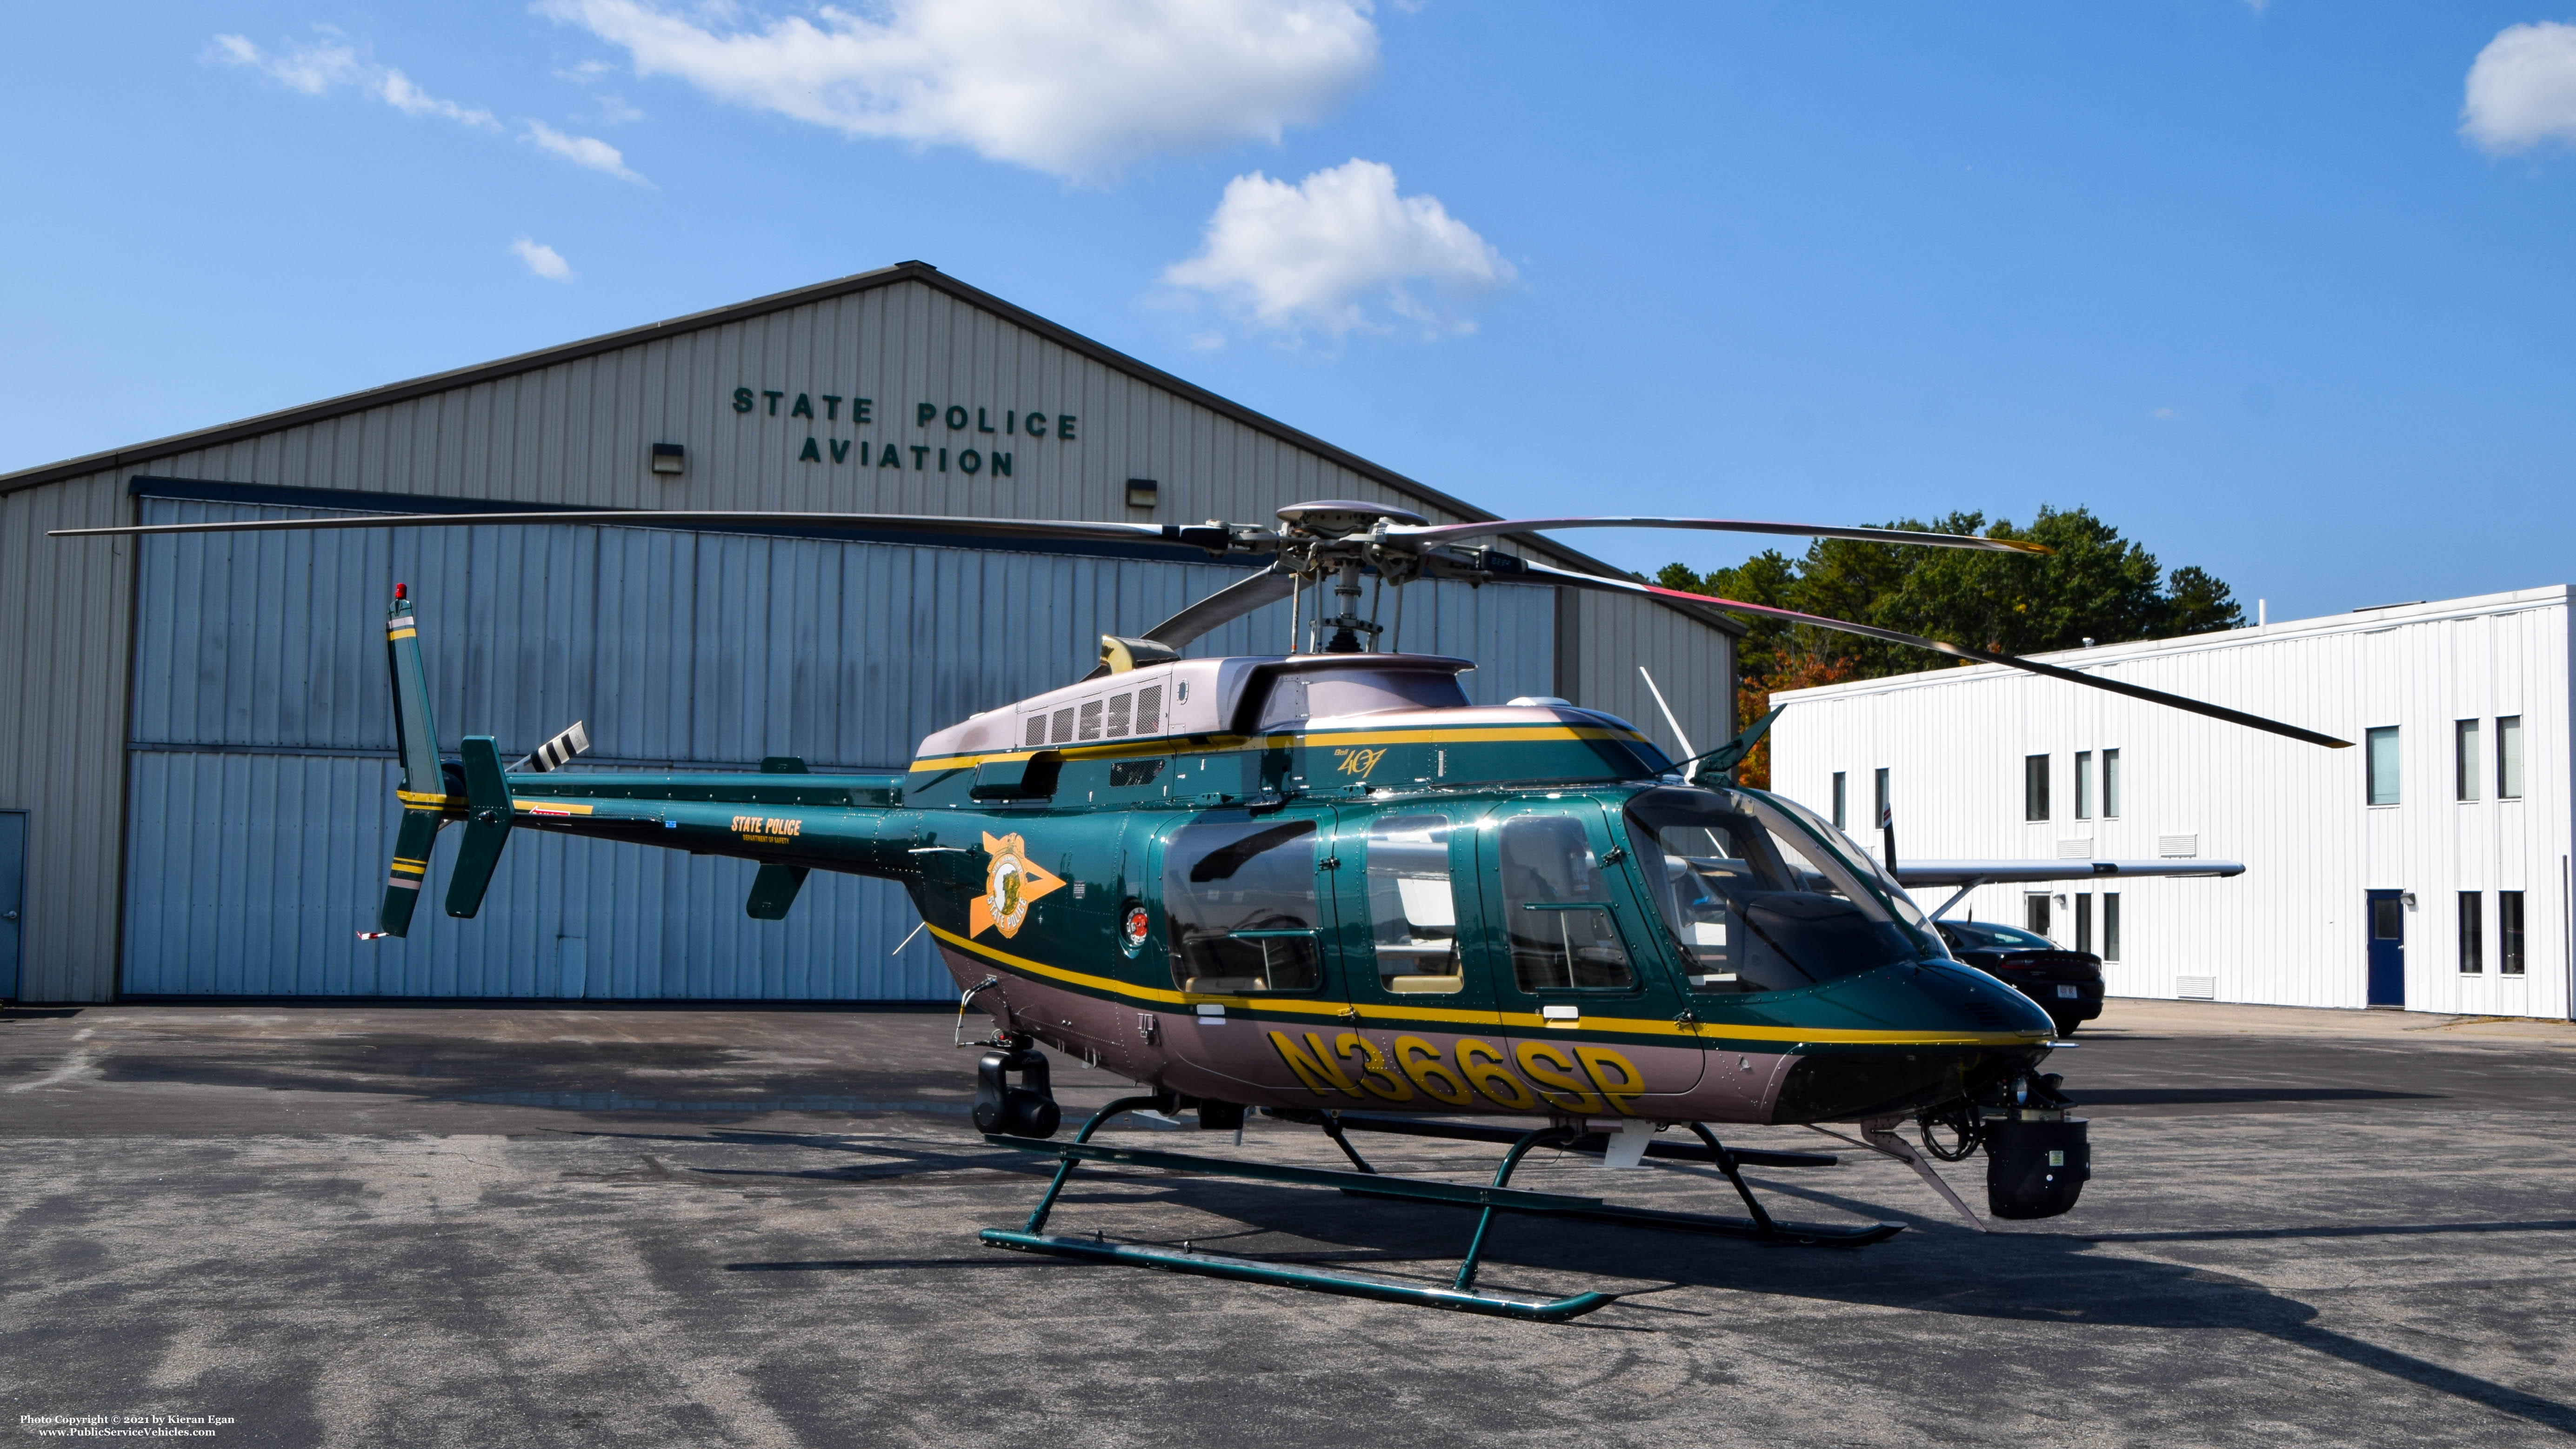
x,y
13,896
2387,917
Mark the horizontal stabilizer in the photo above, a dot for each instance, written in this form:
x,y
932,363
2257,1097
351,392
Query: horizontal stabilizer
x,y
555,753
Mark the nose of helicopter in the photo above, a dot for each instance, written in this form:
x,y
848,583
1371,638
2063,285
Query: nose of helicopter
x,y
1914,1036
1971,1001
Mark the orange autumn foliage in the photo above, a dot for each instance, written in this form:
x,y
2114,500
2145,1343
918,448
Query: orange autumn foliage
x,y
1753,696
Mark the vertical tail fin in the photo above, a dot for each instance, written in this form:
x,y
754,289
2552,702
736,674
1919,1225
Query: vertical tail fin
x,y
424,780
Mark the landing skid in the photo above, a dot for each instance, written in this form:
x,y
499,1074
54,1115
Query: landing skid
x,y
1497,1197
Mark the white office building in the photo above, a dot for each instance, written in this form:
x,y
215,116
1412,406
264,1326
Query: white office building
x,y
2425,867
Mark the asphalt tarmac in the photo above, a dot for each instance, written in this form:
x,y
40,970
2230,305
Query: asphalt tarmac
x,y
413,1226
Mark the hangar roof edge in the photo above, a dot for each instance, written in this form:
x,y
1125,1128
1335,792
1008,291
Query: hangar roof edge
x,y
910,271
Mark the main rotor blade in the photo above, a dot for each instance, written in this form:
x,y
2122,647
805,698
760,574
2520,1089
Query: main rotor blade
x,y
1451,532
1224,606
1215,540
1973,656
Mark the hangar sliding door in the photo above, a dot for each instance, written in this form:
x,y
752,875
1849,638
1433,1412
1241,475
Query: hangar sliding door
x,y
260,750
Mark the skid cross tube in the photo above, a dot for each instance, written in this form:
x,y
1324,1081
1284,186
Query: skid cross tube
x,y
1485,1219
1032,1238
1728,1160
1498,1196
1591,1142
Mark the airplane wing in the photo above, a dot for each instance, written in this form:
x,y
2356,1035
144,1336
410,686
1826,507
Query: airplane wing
x,y
1912,873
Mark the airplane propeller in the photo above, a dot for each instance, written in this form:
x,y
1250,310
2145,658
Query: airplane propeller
x,y
1336,538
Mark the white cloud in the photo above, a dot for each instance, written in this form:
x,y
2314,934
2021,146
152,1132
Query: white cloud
x,y
1338,251
589,151
542,260
2522,88
328,64
1076,88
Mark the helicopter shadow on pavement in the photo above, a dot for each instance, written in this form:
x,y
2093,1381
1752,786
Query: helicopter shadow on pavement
x,y
2049,1278
2053,1278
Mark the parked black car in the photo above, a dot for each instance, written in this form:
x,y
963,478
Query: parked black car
x,y
2066,984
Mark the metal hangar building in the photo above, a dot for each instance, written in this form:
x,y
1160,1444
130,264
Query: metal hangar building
x,y
2427,868
196,762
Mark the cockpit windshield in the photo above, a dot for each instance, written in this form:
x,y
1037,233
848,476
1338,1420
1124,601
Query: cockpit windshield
x,y
1757,898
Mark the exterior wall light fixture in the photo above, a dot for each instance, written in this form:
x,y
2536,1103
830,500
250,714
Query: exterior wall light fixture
x,y
670,458
1143,492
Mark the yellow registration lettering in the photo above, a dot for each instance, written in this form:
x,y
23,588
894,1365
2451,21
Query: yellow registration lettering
x,y
1549,1067
1430,1071
1481,1065
1600,1063
1318,1070
1373,1068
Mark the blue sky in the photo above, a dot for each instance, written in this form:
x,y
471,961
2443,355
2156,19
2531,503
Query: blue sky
x,y
2259,284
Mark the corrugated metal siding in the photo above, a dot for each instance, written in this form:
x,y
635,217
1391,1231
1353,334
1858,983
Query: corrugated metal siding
x,y
578,432
262,778
2290,931
64,615
1693,664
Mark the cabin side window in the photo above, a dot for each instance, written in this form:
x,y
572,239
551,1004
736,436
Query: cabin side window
x,y
1556,908
1413,917
1240,908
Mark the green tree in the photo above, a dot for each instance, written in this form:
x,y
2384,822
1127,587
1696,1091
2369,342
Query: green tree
x,y
2094,584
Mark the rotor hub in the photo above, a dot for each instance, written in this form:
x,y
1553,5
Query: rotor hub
x,y
1342,517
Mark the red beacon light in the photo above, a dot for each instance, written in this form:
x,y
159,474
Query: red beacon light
x,y
398,590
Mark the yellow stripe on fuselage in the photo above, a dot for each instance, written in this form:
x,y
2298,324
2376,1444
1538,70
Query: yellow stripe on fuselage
x,y
1489,1020
1227,744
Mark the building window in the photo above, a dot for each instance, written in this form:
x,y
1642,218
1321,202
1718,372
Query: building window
x,y
2110,925
2509,933
1841,822
2509,757
2465,764
2380,751
2083,784
2034,910
2473,920
2110,784
2034,788
1880,814
2083,921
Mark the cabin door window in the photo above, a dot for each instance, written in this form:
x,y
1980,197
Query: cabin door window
x,y
1241,907
1557,912
1589,1006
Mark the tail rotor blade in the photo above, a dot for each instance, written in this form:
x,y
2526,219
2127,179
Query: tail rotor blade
x,y
555,753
